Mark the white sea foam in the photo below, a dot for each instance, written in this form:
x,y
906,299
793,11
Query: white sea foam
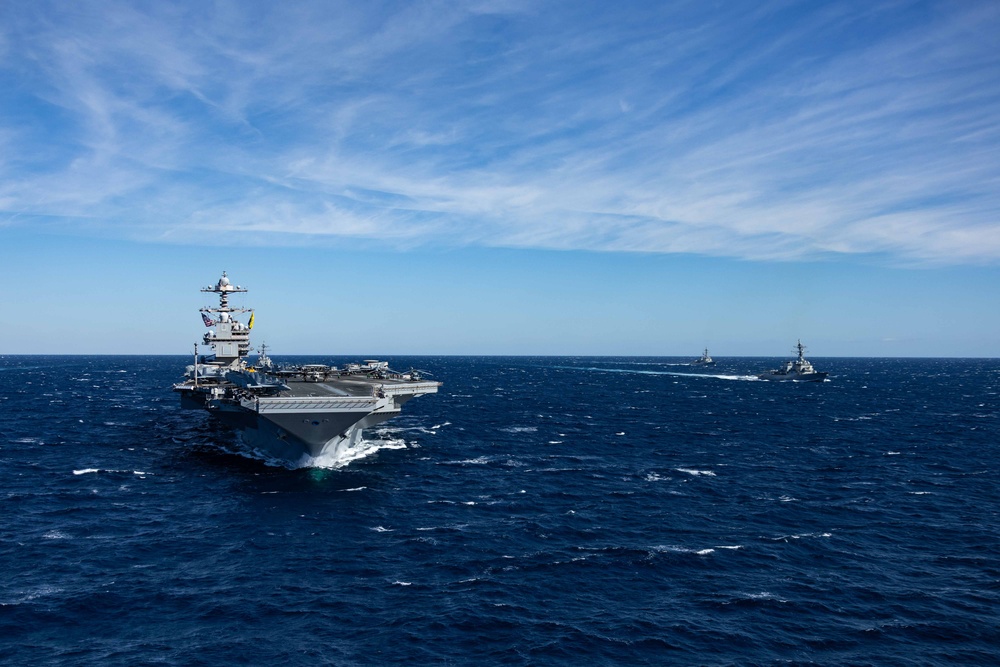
x,y
479,460
402,583
360,488
763,595
520,429
382,529
682,550
87,471
386,431
362,450
29,595
785,538
691,471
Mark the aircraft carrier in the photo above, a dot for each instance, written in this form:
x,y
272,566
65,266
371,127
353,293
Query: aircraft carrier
x,y
293,413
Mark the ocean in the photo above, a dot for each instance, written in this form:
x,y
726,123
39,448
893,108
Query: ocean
x,y
537,511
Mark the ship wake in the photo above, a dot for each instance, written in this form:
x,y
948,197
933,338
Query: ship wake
x,y
636,371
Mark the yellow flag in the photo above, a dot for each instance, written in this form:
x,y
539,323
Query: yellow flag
x,y
250,323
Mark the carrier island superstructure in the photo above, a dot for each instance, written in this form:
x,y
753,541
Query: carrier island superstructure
x,y
292,412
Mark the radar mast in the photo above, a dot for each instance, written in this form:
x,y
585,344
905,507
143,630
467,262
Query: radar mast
x,y
230,339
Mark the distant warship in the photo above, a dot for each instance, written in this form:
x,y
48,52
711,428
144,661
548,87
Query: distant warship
x,y
289,412
704,360
800,369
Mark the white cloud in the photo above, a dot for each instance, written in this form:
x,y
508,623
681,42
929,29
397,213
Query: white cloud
x,y
514,124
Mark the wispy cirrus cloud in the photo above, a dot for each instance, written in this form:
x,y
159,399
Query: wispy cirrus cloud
x,y
770,131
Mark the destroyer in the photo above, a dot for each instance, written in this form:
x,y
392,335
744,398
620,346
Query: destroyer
x,y
800,369
290,412
704,360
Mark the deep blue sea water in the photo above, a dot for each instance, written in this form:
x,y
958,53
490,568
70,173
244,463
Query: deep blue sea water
x,y
538,511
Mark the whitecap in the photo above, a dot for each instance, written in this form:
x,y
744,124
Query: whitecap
x,y
802,535
402,583
681,550
360,488
690,471
381,529
763,595
86,471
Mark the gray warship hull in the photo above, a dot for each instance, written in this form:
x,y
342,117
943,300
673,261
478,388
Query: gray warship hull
x,y
308,419
793,377
799,370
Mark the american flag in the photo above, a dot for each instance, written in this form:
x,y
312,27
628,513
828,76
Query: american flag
x,y
207,320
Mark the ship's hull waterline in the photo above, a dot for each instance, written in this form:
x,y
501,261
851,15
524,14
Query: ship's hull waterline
x,y
807,377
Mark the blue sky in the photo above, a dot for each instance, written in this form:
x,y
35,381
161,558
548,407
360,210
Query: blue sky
x,y
503,177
